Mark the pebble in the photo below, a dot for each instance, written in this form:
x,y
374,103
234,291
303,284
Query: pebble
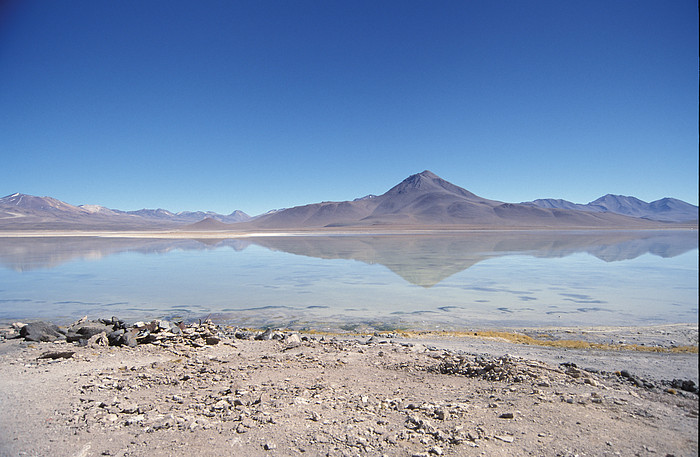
x,y
437,450
505,438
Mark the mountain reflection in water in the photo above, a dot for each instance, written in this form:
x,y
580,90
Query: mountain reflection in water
x,y
423,260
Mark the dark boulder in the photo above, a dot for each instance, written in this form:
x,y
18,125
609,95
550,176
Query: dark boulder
x,y
114,322
123,337
87,330
685,384
129,338
41,331
115,338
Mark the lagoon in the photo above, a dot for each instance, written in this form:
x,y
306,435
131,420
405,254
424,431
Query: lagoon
x,y
479,279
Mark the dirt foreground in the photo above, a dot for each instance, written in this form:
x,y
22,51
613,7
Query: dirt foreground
x,y
292,394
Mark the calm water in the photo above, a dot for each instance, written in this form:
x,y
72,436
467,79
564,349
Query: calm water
x,y
480,279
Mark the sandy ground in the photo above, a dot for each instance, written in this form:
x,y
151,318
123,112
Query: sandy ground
x,y
321,395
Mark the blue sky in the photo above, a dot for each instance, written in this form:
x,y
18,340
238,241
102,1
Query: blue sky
x,y
254,105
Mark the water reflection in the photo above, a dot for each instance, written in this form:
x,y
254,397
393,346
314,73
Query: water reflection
x,y
421,281
32,253
423,260
427,260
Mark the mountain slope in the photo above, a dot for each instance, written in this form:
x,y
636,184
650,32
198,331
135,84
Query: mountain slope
x,y
665,209
22,212
425,199
206,224
28,212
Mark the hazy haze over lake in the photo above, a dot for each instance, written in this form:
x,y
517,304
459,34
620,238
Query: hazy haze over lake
x,y
475,279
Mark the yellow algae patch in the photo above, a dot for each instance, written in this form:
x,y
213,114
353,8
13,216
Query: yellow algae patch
x,y
519,338
547,340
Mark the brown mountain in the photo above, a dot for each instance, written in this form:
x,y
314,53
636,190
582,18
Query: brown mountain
x,y
426,200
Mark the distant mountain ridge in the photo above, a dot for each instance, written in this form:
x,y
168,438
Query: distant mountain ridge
x,y
423,200
665,209
22,211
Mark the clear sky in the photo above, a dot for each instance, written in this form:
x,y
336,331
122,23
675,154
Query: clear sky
x,y
254,105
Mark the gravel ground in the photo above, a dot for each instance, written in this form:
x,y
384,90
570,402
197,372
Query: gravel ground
x,y
344,396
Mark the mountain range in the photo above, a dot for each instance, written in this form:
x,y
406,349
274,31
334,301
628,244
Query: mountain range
x,y
426,200
421,200
666,209
21,211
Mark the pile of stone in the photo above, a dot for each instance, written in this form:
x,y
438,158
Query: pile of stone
x,y
506,368
115,332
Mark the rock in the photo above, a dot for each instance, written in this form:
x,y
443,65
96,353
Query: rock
x,y
269,446
160,422
57,355
417,424
79,321
212,340
98,340
221,405
115,337
87,330
505,438
41,331
264,336
135,419
573,372
685,384
129,338
294,339
163,325
437,450
129,408
241,334
115,323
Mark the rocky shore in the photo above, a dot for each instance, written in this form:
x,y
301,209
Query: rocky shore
x,y
165,388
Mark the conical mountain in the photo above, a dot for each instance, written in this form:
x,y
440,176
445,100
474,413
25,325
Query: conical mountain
x,y
426,200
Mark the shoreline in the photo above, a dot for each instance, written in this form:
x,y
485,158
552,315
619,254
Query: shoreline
x,y
659,352
321,231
